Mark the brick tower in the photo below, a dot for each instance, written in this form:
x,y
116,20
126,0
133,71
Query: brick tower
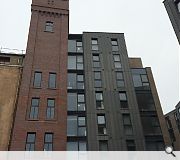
x,y
41,115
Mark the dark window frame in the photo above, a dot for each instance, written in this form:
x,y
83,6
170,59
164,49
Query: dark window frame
x,y
99,102
48,143
34,109
30,145
37,83
54,85
49,26
50,109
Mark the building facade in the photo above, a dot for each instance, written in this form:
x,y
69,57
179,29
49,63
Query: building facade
x,y
10,76
173,124
82,91
173,10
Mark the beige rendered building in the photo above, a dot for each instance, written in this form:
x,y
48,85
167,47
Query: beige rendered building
x,y
10,73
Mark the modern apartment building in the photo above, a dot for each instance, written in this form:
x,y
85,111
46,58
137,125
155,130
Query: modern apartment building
x,y
10,76
173,124
173,10
82,91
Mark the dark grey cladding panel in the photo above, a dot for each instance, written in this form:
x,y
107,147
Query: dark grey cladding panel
x,y
113,112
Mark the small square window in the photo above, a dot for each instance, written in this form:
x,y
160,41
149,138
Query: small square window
x,y
101,119
122,96
49,26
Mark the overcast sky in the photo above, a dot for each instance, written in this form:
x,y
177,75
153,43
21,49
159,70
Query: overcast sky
x,y
145,23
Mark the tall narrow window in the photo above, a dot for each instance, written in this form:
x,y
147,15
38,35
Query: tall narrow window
x,y
79,47
94,43
52,80
119,79
99,100
131,145
123,99
114,43
97,79
96,61
103,145
48,142
127,124
30,141
49,26
50,108
80,81
34,108
117,61
37,79
80,62
101,124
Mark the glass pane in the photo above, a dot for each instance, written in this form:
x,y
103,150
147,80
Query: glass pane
x,y
99,105
115,48
48,137
72,146
119,75
138,71
99,96
114,42
80,85
116,58
30,147
96,64
128,130
52,80
126,119
81,107
79,49
79,44
97,75
80,66
31,137
94,41
137,81
81,121
144,78
71,80
101,120
72,126
51,102
98,83
71,46
80,78
35,102
122,97
72,101
82,146
48,147
81,98
80,59
96,58
37,79
71,62
117,65
95,48
120,83
49,26
82,131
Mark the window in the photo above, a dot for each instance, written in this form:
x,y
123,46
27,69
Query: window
x,y
123,99
119,79
117,61
101,124
34,108
75,46
48,142
94,44
76,146
52,80
154,145
99,100
30,141
76,102
114,43
37,79
97,79
75,62
131,145
103,145
75,81
50,108
49,26
76,126
96,61
127,124
4,60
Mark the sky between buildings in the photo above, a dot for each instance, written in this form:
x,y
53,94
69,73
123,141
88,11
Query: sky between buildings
x,y
145,23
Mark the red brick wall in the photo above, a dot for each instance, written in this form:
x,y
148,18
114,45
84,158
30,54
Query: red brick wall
x,y
46,52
